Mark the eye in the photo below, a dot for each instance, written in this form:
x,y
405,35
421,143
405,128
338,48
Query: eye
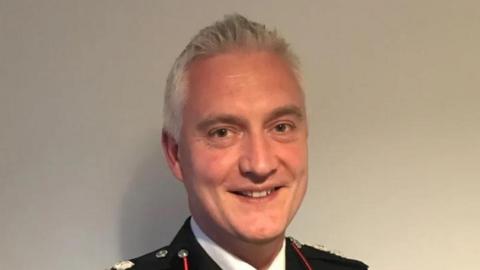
x,y
283,127
222,132
222,137
219,133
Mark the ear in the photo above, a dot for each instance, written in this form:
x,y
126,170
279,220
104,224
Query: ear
x,y
170,150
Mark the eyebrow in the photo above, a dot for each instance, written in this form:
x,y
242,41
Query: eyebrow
x,y
221,118
240,121
284,111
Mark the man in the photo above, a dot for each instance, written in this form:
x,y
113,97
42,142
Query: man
x,y
235,134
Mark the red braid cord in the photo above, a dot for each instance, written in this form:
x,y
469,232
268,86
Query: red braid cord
x,y
185,263
304,260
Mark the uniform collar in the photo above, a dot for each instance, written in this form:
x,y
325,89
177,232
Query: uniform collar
x,y
225,259
197,257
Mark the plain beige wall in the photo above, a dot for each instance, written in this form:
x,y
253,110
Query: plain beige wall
x,y
393,96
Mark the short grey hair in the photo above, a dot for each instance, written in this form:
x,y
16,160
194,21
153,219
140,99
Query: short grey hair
x,y
232,33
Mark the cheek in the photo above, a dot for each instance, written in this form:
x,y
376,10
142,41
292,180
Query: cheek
x,y
295,158
212,166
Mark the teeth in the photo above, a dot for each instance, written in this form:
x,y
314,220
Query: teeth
x,y
256,194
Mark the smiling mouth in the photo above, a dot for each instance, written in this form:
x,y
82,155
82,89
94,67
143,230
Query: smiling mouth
x,y
256,194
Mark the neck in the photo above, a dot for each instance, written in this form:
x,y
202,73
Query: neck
x,y
259,254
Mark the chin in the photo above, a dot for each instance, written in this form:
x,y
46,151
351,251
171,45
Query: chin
x,y
259,233
263,239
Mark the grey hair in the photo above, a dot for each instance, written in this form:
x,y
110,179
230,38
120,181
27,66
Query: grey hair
x,y
232,33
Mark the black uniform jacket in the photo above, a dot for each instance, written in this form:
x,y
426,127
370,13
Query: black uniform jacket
x,y
169,257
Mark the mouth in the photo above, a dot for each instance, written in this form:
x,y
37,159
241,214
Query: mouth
x,y
256,194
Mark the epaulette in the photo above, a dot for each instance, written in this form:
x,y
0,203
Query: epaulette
x,y
123,265
320,252
158,259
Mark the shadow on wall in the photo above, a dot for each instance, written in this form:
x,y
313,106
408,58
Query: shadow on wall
x,y
153,208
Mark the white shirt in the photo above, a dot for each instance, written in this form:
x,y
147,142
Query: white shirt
x,y
226,260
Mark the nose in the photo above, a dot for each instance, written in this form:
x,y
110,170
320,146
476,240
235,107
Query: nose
x,y
258,160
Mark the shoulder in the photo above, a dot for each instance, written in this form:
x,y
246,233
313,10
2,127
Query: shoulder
x,y
321,258
184,248
314,254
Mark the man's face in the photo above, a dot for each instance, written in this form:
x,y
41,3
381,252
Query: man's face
x,y
242,152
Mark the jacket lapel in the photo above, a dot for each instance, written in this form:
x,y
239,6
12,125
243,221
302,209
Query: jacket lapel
x,y
292,261
197,257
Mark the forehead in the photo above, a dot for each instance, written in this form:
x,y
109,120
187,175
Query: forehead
x,y
243,78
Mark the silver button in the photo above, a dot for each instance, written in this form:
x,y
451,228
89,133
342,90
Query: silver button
x,y
182,253
161,253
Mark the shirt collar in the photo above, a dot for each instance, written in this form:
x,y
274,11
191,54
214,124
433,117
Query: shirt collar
x,y
226,260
